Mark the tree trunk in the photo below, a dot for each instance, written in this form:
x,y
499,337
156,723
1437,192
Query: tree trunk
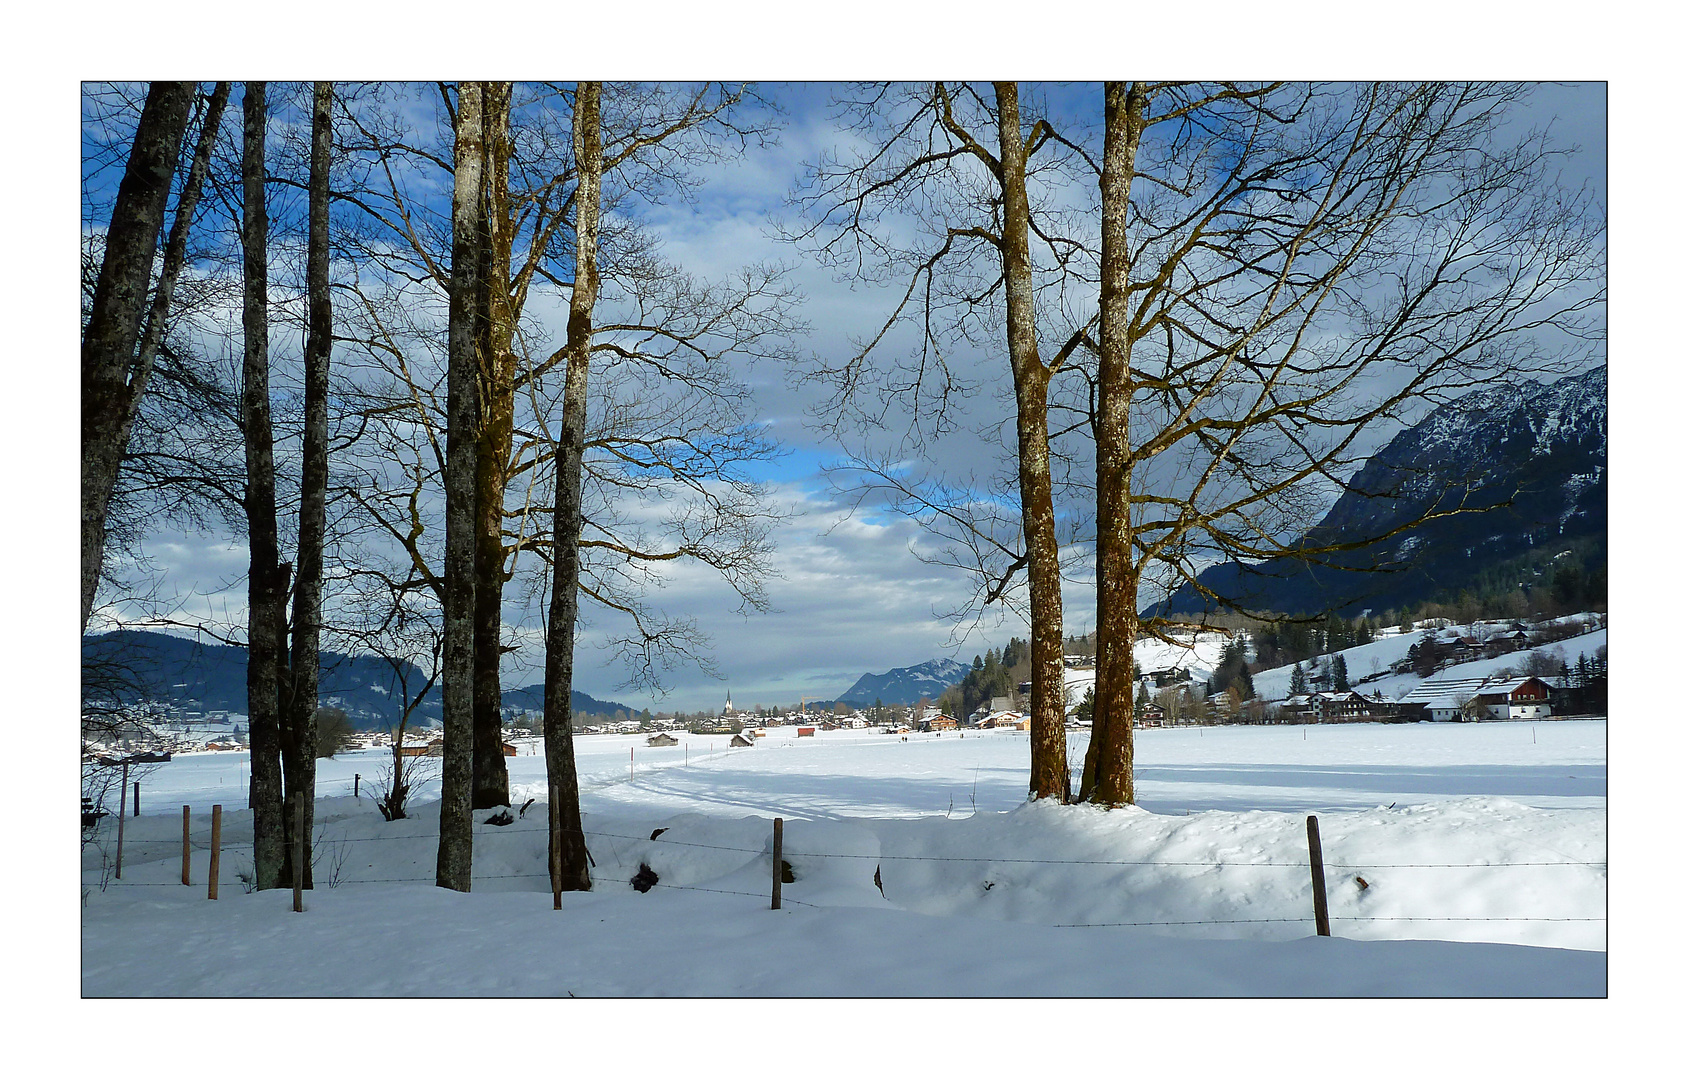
x,y
1108,763
301,766
492,466
464,337
267,580
1038,518
566,530
176,247
114,321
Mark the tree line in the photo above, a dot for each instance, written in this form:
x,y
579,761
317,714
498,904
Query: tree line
x,y
504,397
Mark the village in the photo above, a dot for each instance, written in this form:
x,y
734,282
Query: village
x,y
1432,671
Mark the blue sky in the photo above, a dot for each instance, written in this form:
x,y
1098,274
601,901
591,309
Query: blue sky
x,y
852,594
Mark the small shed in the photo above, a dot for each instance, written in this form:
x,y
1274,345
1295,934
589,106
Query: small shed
x,y
740,740
662,738
803,731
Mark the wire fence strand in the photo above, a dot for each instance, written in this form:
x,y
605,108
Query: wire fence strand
x,y
537,836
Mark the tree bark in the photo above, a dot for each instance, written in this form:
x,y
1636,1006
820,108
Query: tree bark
x,y
176,247
267,579
464,338
301,762
114,322
1107,777
492,465
568,837
1049,777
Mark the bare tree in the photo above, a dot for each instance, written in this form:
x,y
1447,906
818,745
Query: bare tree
x,y
463,365
1284,269
400,624
267,577
665,408
300,755
122,335
569,855
959,166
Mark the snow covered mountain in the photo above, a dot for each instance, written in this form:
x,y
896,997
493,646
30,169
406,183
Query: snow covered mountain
x,y
906,685
1535,455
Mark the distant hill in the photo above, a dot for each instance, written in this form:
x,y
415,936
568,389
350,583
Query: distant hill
x,y
532,699
1543,447
906,685
209,677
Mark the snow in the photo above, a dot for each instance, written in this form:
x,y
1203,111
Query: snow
x,y
1198,652
1377,656
1486,877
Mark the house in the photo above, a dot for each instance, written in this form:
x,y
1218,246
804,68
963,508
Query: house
x,y
1514,699
1328,707
1408,712
1443,698
1151,715
435,748
939,723
1164,677
1527,698
663,738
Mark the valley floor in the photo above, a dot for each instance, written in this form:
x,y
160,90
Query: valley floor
x,y
1462,860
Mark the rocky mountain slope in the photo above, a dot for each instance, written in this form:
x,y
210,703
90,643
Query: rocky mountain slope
x,y
1535,455
906,685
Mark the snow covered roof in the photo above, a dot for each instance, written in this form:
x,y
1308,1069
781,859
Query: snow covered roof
x,y
1433,689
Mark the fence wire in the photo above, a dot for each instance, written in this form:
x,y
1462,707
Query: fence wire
x,y
174,846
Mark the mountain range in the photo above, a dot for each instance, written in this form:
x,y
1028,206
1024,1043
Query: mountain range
x,y
1536,453
137,665
906,685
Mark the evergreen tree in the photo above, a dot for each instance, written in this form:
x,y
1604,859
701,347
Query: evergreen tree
x,y
1339,673
1298,680
1087,707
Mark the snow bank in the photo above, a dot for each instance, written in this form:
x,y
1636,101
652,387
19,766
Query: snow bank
x,y
1486,877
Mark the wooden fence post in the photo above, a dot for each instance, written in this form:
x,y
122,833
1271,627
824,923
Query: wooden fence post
x,y
216,850
778,823
122,812
556,853
185,847
1316,865
355,779
137,798
299,852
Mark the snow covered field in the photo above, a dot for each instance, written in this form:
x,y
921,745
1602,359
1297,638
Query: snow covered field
x,y
1482,849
